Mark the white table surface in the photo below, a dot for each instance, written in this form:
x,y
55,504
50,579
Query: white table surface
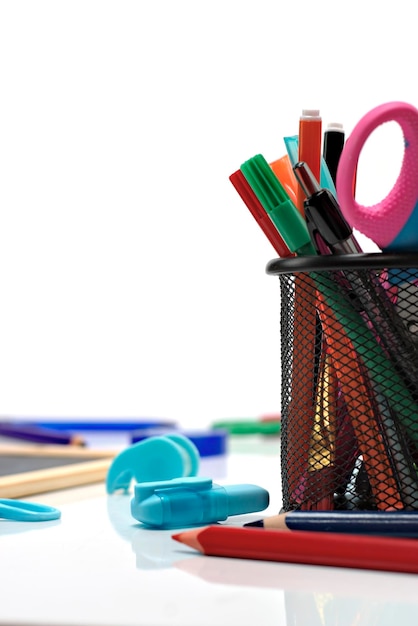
x,y
98,566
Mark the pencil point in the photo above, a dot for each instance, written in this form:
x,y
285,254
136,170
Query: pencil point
x,y
189,538
258,524
78,441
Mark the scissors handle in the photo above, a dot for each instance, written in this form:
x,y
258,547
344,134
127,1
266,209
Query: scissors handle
x,y
27,511
382,222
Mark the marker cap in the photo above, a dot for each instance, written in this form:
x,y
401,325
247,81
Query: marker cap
x,y
310,114
335,126
246,498
194,500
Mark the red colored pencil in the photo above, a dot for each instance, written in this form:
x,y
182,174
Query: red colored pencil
x,y
309,548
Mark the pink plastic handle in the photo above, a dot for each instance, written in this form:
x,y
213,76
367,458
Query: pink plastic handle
x,y
383,221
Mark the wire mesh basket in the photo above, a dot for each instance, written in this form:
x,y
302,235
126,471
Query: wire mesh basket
x,y
349,388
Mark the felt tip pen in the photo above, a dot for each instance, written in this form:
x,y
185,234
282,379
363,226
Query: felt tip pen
x,y
259,214
284,214
310,143
323,214
192,501
333,145
384,523
284,171
271,426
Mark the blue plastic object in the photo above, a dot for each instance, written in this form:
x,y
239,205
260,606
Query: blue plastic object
x,y
27,511
193,501
155,458
209,442
116,424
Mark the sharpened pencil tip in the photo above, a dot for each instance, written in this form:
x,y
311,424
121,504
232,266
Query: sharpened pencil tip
x,y
258,524
189,538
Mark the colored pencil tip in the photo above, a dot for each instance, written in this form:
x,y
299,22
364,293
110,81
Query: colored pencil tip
x,y
189,538
258,524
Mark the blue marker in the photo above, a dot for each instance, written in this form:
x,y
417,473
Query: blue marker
x,y
193,501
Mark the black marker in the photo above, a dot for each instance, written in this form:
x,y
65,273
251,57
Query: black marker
x,y
333,145
323,214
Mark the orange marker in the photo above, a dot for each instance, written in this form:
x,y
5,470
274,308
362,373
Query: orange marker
x,y
310,145
305,329
309,151
284,172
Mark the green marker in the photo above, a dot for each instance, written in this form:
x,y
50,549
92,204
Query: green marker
x,y
249,427
276,201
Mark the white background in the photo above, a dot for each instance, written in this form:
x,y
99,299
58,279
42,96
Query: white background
x,y
132,276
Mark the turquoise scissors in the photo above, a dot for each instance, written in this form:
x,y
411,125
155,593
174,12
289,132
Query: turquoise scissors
x,y
27,511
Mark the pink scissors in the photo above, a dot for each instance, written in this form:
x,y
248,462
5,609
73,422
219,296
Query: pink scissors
x,y
392,223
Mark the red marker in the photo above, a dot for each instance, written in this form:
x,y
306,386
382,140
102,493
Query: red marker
x,y
258,212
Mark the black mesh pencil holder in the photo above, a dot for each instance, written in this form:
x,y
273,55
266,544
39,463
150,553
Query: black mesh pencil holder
x,y
349,388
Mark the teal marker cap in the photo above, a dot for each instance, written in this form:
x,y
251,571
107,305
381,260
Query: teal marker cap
x,y
193,501
292,148
276,202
